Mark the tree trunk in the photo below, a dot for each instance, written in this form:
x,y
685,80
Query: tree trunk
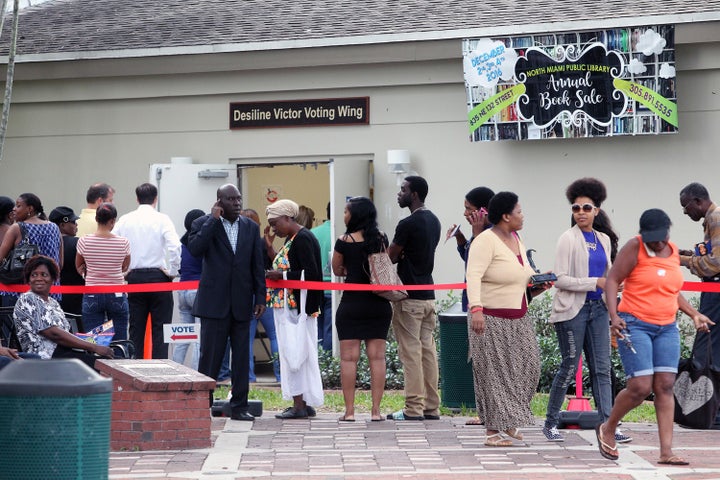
x,y
10,74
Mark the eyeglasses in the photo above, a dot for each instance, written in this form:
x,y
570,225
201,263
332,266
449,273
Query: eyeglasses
x,y
585,207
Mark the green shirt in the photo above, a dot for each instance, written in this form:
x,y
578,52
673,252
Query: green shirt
x,y
322,233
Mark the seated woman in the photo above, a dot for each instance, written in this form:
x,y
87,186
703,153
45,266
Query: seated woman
x,y
40,322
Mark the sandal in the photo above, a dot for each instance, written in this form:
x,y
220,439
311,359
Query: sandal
x,y
497,440
345,419
475,421
514,433
674,460
605,450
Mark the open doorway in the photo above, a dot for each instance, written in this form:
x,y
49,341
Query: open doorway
x,y
307,184
307,181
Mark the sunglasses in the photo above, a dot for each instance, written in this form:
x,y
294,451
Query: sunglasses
x,y
585,207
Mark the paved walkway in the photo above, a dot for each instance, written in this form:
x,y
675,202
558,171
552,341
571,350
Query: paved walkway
x,y
323,448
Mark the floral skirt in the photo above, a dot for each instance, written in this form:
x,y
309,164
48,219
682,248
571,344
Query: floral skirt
x,y
506,370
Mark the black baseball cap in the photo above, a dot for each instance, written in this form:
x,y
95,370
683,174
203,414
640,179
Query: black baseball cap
x,y
62,215
654,225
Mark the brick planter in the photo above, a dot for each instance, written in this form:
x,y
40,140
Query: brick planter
x,y
157,405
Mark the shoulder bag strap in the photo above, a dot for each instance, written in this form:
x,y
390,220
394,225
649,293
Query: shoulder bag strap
x,y
23,233
303,294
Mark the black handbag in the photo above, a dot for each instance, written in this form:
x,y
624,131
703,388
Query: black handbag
x,y
13,267
697,392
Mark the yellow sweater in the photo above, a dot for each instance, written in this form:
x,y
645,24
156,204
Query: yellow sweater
x,y
495,278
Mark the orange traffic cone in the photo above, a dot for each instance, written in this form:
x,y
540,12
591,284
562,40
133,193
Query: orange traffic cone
x,y
147,353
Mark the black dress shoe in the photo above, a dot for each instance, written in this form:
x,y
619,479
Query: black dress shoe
x,y
311,411
242,416
292,412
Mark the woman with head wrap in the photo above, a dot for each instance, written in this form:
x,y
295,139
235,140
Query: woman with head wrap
x,y
299,255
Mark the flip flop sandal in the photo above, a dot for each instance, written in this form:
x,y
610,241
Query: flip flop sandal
x,y
514,433
475,421
379,419
343,419
674,460
602,446
497,440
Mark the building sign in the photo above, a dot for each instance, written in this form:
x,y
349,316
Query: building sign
x,y
572,84
300,113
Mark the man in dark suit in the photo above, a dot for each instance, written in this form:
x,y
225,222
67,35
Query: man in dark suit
x,y
233,279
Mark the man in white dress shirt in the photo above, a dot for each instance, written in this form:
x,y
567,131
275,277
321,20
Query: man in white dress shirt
x,y
154,258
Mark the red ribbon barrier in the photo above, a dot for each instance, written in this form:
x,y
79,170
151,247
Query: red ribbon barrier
x,y
295,284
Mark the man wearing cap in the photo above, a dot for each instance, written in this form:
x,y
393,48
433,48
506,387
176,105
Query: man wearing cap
x,y
96,194
66,220
704,261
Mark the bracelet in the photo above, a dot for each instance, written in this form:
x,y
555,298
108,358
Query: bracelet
x,y
476,309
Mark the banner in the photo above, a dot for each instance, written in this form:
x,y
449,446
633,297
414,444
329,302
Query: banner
x,y
571,84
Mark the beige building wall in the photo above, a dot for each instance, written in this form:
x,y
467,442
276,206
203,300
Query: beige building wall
x,y
76,123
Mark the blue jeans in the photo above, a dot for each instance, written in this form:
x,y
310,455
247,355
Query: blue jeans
x,y
225,372
268,323
657,347
186,298
588,331
98,308
325,322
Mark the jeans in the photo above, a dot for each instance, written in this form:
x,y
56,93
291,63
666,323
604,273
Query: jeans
x,y
268,324
97,308
657,347
225,372
588,331
186,298
325,323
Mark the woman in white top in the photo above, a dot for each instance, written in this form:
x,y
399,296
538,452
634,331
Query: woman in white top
x,y
582,260
103,258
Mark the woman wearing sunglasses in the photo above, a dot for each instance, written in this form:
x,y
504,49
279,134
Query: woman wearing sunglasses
x,y
582,260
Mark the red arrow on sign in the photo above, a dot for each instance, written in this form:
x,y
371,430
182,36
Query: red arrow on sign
x,y
184,337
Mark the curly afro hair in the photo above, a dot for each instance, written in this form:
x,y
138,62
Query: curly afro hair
x,y
589,187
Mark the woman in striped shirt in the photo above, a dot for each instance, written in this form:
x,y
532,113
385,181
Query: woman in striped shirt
x,y
103,258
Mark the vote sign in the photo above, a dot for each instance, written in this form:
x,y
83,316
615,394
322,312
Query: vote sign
x,y
181,332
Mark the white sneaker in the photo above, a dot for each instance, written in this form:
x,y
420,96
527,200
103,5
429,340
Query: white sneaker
x,y
621,437
552,434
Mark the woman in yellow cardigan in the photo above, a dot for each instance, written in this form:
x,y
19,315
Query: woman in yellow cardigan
x,y
503,348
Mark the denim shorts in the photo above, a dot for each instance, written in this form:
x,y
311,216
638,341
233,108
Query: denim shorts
x,y
657,347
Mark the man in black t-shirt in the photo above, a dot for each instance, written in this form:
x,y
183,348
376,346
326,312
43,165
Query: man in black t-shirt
x,y
413,249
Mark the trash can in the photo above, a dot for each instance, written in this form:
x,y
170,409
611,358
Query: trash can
x,y
54,421
456,379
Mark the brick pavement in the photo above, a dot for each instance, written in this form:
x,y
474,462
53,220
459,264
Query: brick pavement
x,y
323,448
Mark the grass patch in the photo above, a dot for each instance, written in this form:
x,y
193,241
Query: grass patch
x,y
394,400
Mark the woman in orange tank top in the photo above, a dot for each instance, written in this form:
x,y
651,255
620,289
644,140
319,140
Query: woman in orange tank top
x,y
648,337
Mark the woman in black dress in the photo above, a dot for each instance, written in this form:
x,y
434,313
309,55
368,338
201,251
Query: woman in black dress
x,y
362,315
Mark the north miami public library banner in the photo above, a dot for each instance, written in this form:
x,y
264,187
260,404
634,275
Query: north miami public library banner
x,y
572,84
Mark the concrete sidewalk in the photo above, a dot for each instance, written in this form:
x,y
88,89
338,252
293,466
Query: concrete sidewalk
x,y
323,448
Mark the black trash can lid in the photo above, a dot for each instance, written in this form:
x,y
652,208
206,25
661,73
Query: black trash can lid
x,y
51,378
454,314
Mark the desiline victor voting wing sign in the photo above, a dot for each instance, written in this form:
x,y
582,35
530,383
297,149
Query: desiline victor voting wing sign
x,y
571,84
